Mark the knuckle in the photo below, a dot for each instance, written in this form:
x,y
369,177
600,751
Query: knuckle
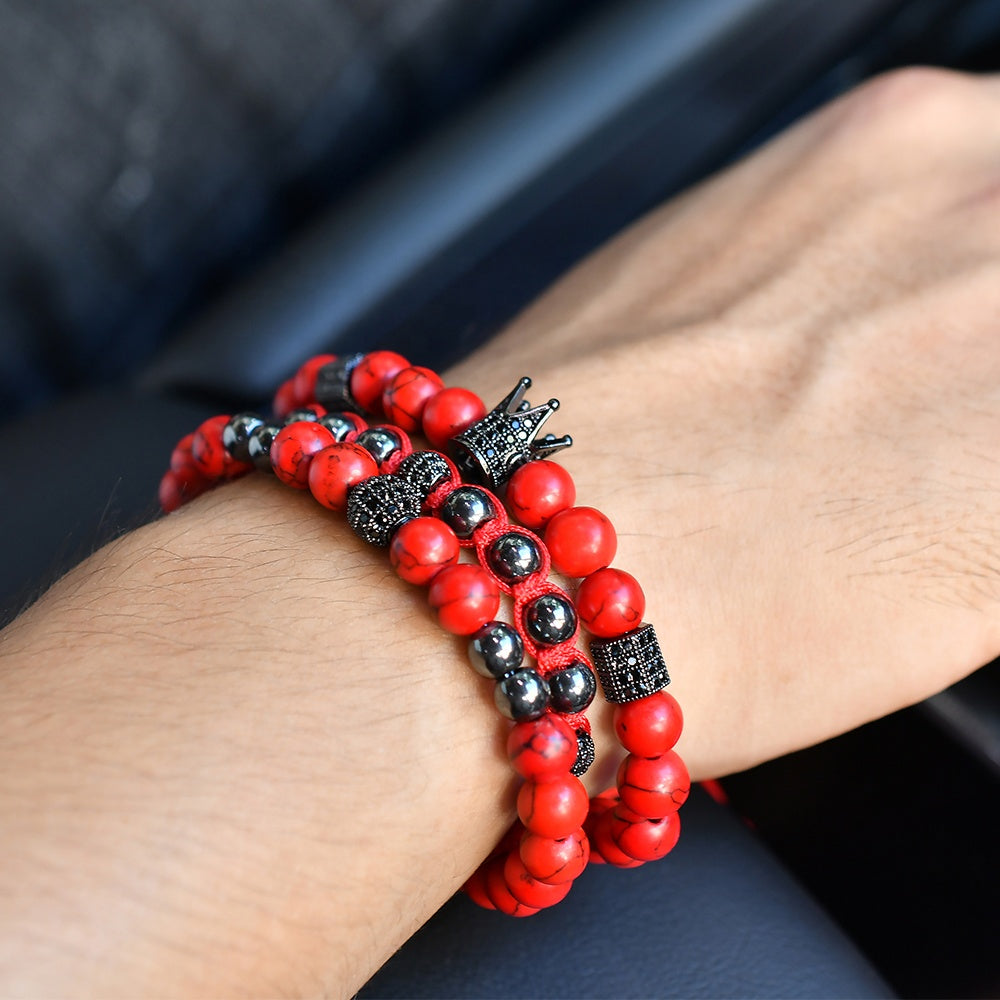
x,y
912,91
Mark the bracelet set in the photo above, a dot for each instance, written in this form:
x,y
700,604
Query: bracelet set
x,y
425,506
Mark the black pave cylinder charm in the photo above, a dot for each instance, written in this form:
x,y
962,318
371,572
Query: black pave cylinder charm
x,y
630,666
378,506
550,619
333,383
425,471
496,650
586,754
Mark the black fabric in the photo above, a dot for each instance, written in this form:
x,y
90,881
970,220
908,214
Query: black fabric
x,y
152,151
718,918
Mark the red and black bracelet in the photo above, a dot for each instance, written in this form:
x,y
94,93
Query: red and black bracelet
x,y
386,488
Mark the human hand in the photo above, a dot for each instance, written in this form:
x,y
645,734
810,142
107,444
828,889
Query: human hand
x,y
785,391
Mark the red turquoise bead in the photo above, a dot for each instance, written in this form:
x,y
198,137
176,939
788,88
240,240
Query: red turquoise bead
x,y
174,491
293,448
475,889
543,748
553,808
538,491
304,380
450,412
610,603
645,839
500,895
605,847
372,375
465,597
181,457
407,394
580,540
207,450
285,399
421,548
526,889
649,726
555,862
653,787
335,469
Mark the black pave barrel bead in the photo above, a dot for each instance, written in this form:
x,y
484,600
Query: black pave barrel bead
x,y
425,471
550,619
630,666
236,435
338,425
259,446
333,383
573,688
380,442
465,509
496,650
522,695
378,506
586,754
514,556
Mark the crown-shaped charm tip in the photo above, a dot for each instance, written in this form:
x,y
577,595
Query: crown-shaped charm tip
x,y
490,450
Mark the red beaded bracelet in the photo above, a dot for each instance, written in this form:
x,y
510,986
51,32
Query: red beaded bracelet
x,y
535,864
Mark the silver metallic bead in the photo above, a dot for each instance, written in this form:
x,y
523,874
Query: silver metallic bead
x,y
338,425
301,413
630,666
380,442
573,688
491,450
550,619
425,471
333,383
495,650
585,753
466,508
259,446
514,556
378,506
236,434
522,695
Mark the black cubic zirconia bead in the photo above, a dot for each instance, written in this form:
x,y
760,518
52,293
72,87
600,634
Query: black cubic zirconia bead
x,y
425,471
630,666
333,383
492,449
585,753
378,506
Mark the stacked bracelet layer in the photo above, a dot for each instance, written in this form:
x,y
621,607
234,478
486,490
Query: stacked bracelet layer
x,y
415,502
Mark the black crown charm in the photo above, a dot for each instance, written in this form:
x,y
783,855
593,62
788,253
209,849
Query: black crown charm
x,y
491,449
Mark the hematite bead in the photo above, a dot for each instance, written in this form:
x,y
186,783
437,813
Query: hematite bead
x,y
585,753
302,413
495,650
465,509
379,442
514,556
550,619
236,435
522,695
259,446
378,506
425,471
630,666
573,688
333,383
337,424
